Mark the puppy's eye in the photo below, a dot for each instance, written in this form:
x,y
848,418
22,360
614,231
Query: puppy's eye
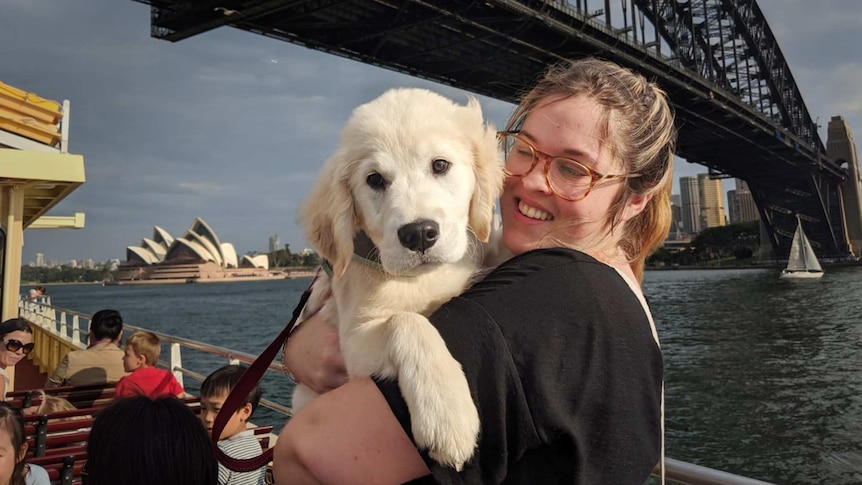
x,y
440,166
376,181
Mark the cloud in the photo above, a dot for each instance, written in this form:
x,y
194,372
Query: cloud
x,y
202,189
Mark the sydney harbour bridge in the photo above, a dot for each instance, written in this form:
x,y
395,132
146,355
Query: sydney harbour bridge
x,y
738,108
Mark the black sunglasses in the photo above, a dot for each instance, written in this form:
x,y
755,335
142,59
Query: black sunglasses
x,y
13,345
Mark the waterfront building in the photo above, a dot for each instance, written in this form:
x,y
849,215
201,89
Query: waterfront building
x,y
711,202
676,229
689,205
741,205
40,260
274,243
197,256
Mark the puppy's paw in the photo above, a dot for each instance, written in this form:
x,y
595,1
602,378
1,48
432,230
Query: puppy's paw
x,y
301,396
446,423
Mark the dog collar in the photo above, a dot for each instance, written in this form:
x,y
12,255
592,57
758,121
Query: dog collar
x,y
364,252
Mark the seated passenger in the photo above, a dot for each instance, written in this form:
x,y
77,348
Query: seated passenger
x,y
101,362
143,441
236,440
16,341
14,469
140,357
48,404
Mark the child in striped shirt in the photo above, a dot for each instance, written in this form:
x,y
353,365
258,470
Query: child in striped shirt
x,y
236,440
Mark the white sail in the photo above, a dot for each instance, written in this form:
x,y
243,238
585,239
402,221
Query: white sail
x,y
802,263
811,263
796,261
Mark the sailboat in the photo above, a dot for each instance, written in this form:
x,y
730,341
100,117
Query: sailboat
x,y
802,262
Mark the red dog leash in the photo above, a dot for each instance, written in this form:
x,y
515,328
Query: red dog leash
x,y
246,383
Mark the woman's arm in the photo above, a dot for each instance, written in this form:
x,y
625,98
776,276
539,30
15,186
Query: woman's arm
x,y
313,356
348,435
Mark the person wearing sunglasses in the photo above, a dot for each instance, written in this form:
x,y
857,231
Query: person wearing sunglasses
x,y
16,343
557,342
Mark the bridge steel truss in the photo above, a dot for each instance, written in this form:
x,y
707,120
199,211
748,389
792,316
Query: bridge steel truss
x,y
739,110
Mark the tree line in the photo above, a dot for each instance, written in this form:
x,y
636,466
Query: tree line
x,y
283,258
66,274
732,244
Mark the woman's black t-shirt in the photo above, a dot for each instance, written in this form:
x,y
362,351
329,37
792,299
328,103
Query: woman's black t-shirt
x,y
564,371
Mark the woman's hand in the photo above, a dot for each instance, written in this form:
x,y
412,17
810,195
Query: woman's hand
x,y
313,356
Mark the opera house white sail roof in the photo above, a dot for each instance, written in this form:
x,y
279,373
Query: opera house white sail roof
x,y
199,244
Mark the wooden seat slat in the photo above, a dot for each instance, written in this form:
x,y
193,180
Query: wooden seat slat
x,y
61,389
61,451
50,460
59,426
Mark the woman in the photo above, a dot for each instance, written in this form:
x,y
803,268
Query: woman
x,y
17,342
14,469
557,343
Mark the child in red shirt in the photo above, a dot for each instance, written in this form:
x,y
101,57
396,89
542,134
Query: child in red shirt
x,y
142,353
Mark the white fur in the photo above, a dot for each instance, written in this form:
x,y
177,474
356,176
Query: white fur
x,y
381,315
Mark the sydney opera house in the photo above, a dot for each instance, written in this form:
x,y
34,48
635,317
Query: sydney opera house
x,y
196,257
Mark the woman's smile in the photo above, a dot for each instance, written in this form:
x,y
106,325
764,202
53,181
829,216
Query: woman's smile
x,y
532,212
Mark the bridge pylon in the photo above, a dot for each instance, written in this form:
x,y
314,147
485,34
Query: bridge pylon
x,y
841,148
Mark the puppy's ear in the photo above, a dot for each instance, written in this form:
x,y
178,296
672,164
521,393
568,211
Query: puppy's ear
x,y
328,214
488,169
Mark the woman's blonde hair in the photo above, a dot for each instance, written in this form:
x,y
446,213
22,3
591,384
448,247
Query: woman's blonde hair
x,y
53,404
638,127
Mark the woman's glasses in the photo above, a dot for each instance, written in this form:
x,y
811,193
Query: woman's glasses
x,y
569,179
13,345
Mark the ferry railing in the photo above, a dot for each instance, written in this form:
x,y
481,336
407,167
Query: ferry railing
x,y
68,329
66,325
685,473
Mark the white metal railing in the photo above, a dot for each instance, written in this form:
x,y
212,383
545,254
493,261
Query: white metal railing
x,y
685,473
66,325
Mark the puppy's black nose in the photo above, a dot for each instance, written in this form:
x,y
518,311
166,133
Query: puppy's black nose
x,y
419,235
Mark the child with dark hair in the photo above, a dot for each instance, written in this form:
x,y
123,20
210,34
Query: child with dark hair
x,y
14,469
236,440
143,441
140,358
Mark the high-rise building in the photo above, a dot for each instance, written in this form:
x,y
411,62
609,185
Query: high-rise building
x,y
741,206
40,260
676,229
689,193
711,202
274,243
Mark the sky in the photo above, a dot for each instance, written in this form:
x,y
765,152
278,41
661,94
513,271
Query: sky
x,y
232,127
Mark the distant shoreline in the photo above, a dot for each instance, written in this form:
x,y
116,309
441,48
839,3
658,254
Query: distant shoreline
x,y
747,266
289,275
674,268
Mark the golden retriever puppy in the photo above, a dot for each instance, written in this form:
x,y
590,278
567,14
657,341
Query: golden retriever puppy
x,y
398,213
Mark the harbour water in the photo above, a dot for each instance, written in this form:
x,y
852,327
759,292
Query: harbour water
x,y
763,376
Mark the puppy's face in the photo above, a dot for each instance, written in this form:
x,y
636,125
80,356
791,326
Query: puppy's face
x,y
412,194
413,170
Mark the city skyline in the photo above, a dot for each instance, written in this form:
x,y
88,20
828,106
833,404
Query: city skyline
x,y
232,127
274,241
